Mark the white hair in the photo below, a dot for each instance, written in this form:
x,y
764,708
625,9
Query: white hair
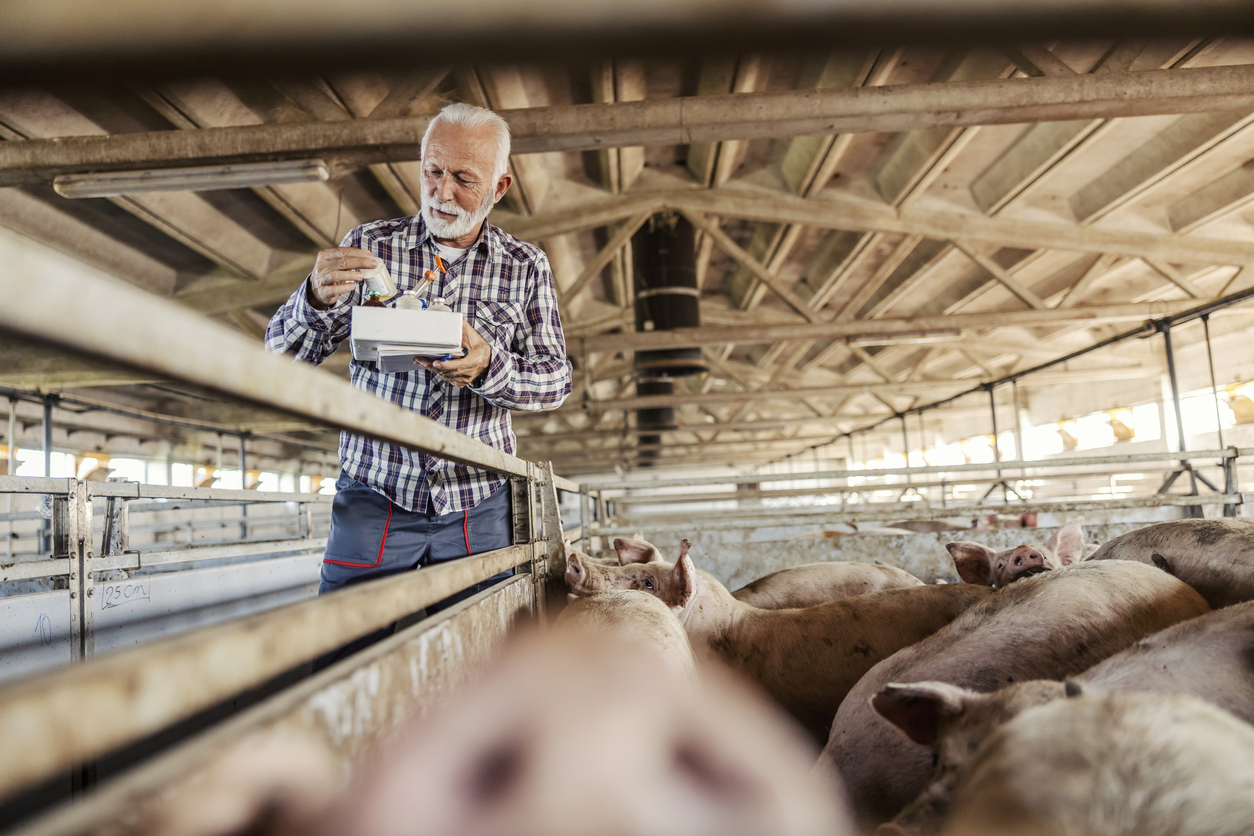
x,y
470,117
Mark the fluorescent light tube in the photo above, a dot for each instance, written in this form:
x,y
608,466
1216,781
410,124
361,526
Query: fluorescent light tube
x,y
201,178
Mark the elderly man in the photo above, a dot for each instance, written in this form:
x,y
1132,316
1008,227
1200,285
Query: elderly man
x,y
395,509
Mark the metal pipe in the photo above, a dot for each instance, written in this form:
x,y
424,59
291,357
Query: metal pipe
x,y
992,409
905,443
1214,389
9,467
45,539
243,483
1008,464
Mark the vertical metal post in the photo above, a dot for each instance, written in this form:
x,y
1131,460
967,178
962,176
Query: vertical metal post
x,y
1229,463
45,544
1164,326
992,409
1214,388
905,443
849,438
1014,397
10,468
116,539
243,483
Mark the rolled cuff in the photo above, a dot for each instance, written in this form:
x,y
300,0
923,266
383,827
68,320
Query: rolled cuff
x,y
500,374
310,317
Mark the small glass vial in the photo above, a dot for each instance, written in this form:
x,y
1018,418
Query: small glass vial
x,y
373,300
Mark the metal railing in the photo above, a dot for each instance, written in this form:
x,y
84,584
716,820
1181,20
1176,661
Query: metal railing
x,y
142,691
617,508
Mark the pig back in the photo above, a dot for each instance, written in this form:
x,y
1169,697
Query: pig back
x,y
1114,765
1215,557
1210,657
819,583
627,615
1049,626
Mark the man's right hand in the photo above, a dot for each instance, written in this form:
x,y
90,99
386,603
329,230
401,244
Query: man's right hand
x,y
335,273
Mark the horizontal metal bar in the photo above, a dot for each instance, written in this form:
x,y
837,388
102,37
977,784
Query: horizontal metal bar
x,y
180,344
563,484
477,626
35,484
194,553
921,511
826,490
34,569
135,490
1009,464
135,693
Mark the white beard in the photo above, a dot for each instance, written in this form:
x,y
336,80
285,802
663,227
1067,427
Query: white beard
x,y
465,222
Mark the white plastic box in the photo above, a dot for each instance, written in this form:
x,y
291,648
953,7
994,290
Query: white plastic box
x,y
393,337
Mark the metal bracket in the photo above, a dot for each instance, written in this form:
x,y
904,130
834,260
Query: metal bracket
x,y
72,539
117,537
520,508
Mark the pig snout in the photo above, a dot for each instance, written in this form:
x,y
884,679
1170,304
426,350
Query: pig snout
x,y
1025,561
576,574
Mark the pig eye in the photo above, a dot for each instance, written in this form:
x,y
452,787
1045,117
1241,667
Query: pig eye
x,y
647,583
496,772
702,768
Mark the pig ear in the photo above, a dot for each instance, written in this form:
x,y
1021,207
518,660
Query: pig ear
x,y
917,709
1068,542
685,576
974,562
569,548
635,551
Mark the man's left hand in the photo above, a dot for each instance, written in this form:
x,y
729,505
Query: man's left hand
x,y
463,372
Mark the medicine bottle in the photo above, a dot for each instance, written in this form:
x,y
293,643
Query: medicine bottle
x,y
373,300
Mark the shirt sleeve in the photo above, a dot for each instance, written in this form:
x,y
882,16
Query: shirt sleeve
x,y
306,333
534,374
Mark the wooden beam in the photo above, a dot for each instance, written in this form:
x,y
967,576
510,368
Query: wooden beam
x,y
1002,275
1226,196
771,333
838,212
594,267
1174,276
930,388
1181,143
1045,145
678,121
34,219
1100,266
724,242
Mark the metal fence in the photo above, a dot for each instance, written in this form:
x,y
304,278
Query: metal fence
x,y
51,724
849,497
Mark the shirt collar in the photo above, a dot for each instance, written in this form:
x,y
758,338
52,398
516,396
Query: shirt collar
x,y
417,236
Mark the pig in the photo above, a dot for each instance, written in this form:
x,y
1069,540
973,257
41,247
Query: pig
x,y
1053,626
1215,557
795,587
630,615
270,783
574,734
806,659
1210,657
818,583
1122,764
977,563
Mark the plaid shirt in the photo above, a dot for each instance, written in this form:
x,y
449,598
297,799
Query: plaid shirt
x,y
504,287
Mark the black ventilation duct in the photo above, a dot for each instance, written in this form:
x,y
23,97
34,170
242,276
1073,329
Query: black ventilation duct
x,y
664,263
